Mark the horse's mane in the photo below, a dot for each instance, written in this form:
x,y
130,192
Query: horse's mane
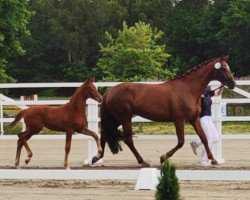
x,y
194,69
76,93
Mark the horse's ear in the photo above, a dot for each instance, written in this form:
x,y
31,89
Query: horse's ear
x,y
225,57
90,80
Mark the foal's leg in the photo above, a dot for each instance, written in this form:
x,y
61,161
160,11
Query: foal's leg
x,y
23,137
19,149
127,129
198,129
29,152
33,129
179,126
67,148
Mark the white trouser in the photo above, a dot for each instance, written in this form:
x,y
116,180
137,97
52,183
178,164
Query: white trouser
x,y
211,133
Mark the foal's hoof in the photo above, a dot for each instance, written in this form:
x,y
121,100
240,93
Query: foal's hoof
x,y
214,162
94,159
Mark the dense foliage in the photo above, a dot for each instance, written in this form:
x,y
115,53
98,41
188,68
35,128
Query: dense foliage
x,y
65,37
14,17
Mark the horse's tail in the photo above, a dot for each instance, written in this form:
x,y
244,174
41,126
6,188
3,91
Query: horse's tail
x,y
18,117
109,128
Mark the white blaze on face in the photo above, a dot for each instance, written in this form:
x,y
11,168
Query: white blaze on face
x,y
227,66
228,69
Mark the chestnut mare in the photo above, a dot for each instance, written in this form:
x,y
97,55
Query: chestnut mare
x,y
70,118
177,100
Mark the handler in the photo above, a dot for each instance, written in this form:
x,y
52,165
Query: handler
x,y
207,125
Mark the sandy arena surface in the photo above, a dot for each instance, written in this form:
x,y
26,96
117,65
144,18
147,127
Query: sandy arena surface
x,y
49,154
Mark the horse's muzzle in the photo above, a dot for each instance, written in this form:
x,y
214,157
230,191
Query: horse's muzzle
x,y
231,84
99,99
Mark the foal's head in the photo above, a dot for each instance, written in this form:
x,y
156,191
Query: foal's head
x,y
91,90
223,73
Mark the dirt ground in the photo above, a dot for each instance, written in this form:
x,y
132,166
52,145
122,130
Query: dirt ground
x,y
49,154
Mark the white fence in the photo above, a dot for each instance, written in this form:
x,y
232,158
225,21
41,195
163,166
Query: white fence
x,y
93,118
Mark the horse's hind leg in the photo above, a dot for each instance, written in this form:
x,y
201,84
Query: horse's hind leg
x,y
18,150
22,141
29,152
97,140
179,126
67,148
127,129
103,143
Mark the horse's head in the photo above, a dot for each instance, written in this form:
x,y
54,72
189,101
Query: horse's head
x,y
92,91
223,73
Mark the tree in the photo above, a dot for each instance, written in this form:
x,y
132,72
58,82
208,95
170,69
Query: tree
x,y
14,18
65,36
185,32
168,187
65,33
234,35
156,13
134,55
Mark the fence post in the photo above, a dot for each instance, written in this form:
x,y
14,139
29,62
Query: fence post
x,y
216,112
93,120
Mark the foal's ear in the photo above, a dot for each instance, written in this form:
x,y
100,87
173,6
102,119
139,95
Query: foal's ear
x,y
225,57
90,80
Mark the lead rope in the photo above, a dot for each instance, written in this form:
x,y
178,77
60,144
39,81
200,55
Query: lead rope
x,y
218,87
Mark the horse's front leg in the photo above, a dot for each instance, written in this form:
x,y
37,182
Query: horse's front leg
x,y
198,129
67,148
179,127
97,140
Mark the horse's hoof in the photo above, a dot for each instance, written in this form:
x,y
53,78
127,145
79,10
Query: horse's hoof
x,y
163,158
145,164
94,159
214,162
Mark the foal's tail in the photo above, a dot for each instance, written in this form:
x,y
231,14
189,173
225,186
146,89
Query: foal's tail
x,y
17,119
109,128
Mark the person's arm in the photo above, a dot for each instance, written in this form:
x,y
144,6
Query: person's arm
x,y
218,92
